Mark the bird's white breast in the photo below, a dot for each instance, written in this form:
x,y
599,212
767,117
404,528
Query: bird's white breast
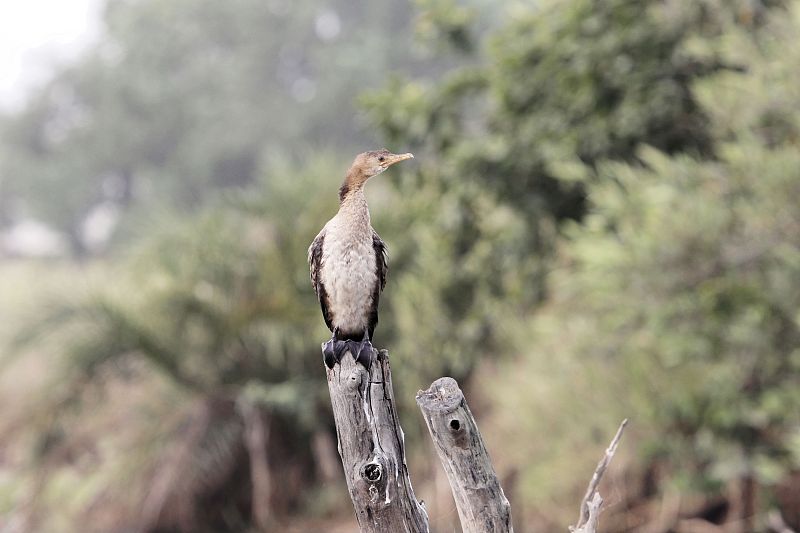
x,y
348,273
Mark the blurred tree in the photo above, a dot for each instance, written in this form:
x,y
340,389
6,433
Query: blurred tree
x,y
678,300
181,98
675,303
503,145
218,309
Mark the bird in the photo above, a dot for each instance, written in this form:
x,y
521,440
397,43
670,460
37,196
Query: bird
x,y
349,263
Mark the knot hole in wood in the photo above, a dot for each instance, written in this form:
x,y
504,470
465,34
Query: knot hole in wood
x,y
355,377
458,432
372,472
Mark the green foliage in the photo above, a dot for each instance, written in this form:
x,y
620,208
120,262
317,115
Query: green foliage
x,y
707,253
445,21
219,308
667,273
196,306
675,305
503,145
675,301
564,81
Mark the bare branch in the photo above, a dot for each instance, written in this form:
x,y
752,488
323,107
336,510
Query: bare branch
x,y
592,501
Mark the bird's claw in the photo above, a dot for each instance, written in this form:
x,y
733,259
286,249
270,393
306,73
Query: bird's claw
x,y
362,352
329,353
332,351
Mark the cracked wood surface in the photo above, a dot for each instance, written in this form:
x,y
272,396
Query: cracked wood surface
x,y
371,445
482,506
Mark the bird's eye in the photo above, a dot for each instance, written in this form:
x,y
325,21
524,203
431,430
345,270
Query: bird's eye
x,y
381,159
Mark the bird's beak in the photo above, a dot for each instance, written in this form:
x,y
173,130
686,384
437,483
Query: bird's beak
x,y
395,158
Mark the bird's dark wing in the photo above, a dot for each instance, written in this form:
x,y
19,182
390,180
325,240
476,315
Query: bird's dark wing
x,y
315,263
381,258
381,268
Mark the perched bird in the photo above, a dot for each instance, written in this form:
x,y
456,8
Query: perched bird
x,y
348,264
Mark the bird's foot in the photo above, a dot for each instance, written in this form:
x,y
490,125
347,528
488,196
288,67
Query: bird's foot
x,y
328,353
363,352
334,349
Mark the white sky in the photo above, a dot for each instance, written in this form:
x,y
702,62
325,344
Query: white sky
x,y
35,35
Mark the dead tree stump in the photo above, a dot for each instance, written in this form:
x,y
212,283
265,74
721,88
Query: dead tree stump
x,y
371,445
482,506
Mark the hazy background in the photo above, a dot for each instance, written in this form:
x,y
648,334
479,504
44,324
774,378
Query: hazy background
x,y
602,221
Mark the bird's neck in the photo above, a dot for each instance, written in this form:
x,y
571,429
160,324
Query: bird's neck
x,y
353,207
353,182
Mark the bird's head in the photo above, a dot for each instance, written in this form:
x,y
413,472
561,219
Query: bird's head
x,y
369,164
372,163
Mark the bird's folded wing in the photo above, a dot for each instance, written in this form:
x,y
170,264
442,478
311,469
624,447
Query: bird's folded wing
x,y
381,258
315,264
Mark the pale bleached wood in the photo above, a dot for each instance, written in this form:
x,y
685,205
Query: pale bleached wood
x,y
592,501
371,445
482,506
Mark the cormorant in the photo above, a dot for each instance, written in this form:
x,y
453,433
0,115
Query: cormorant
x,y
348,264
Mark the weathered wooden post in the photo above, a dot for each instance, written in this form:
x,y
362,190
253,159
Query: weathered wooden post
x,y
482,506
371,445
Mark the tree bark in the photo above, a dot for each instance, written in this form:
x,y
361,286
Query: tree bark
x,y
371,445
482,506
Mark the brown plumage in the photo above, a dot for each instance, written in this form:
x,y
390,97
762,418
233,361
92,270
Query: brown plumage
x,y
348,262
